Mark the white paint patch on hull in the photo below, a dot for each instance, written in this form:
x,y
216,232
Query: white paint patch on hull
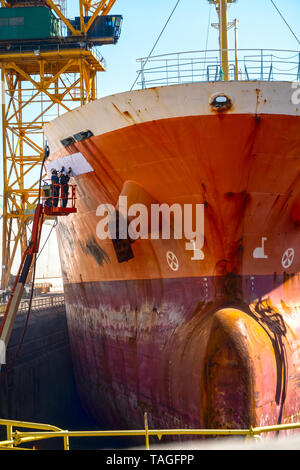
x,y
76,161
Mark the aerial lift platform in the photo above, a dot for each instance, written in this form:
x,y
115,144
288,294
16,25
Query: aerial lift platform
x,y
50,205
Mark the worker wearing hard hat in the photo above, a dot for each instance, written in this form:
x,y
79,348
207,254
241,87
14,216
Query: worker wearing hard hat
x,y
55,187
64,178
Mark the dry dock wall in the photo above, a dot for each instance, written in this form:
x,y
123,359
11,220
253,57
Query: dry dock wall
x,y
39,385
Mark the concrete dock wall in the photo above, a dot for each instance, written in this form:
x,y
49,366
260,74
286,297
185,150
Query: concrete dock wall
x,y
39,385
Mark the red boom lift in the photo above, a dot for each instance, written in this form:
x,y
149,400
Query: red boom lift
x,y
50,206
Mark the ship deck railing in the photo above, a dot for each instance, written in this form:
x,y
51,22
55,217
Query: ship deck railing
x,y
38,431
205,66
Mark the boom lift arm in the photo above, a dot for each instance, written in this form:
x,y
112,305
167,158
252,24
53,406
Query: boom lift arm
x,y
18,288
27,259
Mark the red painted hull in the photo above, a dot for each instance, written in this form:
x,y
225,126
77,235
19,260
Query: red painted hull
x,y
215,343
155,346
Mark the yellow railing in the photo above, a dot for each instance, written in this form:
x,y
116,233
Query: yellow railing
x,y
46,431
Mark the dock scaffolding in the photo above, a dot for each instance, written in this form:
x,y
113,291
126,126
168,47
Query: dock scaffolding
x,y
41,79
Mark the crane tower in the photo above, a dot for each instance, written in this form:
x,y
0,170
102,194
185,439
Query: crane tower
x,y
48,66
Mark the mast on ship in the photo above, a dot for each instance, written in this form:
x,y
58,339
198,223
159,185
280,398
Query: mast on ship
x,y
221,7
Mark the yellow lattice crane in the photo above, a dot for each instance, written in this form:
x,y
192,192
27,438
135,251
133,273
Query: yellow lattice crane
x,y
43,75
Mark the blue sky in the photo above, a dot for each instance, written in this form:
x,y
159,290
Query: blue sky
x,y
260,26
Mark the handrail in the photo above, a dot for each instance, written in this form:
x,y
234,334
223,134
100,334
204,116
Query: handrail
x,y
57,194
40,303
46,431
194,66
214,50
43,303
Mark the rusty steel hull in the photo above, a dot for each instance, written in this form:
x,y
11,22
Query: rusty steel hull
x,y
213,342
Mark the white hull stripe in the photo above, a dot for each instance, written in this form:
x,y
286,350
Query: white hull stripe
x,y
135,107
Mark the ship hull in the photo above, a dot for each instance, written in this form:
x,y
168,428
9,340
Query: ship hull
x,y
210,342
157,348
